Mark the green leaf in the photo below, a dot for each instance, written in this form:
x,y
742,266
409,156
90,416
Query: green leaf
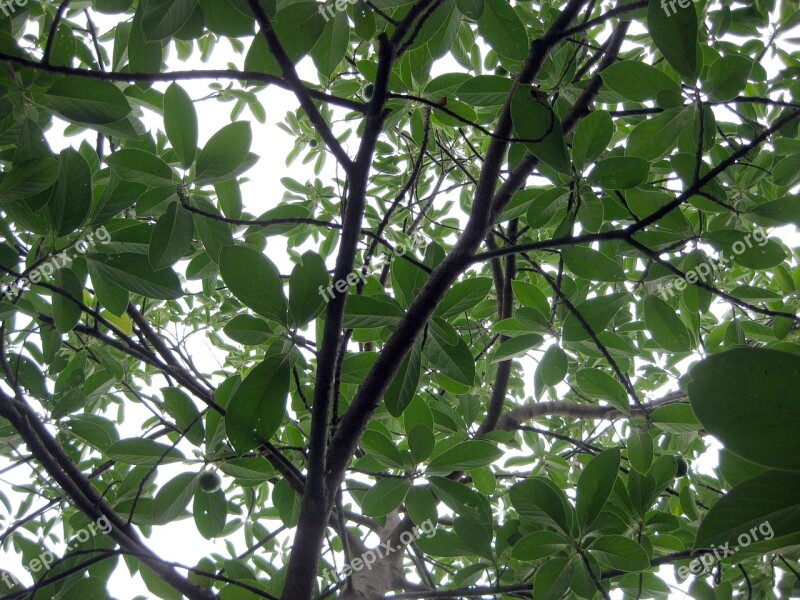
x,y
746,397
186,415
595,485
28,179
331,48
516,346
771,498
180,124
503,30
257,407
143,452
665,326
140,166
448,353
540,500
553,578
463,296
71,201
656,137
172,236
592,265
597,312
537,123
619,172
210,513
164,18
131,272
89,101
675,36
592,136
470,8
240,266
539,544
248,330
727,77
110,295
401,390
637,81
66,313
553,366
600,385
371,311
298,27
383,497
640,450
620,553
485,90
382,448
173,498
465,456
224,152
307,279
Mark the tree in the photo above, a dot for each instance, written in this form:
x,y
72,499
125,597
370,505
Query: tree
x,y
517,299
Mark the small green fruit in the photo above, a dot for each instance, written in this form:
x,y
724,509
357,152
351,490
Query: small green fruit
x,y
209,481
369,89
683,467
313,143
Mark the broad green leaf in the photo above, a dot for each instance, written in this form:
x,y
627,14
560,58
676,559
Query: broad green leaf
x,y
248,330
66,313
143,452
87,100
463,296
383,497
503,30
371,311
164,18
224,152
465,456
298,27
592,265
110,295
553,366
619,172
553,578
539,544
620,553
516,346
28,179
595,485
71,201
637,81
591,137
257,407
656,137
173,498
186,415
401,390
382,448
172,236
331,48
727,76
597,312
665,326
640,450
180,124
471,8
308,280
674,32
131,272
485,90
240,266
447,352
140,166
598,384
537,124
541,501
744,397
768,503
210,513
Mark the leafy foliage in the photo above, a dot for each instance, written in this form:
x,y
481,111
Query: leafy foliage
x,y
531,257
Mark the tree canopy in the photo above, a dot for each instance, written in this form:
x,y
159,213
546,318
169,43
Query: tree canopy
x,y
530,259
